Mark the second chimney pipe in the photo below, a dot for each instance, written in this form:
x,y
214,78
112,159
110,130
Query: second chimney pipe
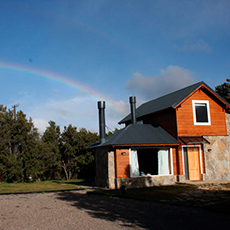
x,y
132,101
101,108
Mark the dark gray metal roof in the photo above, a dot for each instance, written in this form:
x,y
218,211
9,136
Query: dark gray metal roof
x,y
139,134
168,101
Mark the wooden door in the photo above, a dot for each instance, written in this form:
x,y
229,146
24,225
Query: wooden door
x,y
194,163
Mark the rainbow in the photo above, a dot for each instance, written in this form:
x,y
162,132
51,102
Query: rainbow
x,y
63,80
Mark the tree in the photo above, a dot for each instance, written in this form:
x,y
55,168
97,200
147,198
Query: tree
x,y
49,151
19,139
68,149
112,132
224,90
24,155
86,164
74,156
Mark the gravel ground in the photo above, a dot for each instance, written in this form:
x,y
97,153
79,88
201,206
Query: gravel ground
x,y
78,210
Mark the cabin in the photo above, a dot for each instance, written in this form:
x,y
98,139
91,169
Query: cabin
x,y
182,136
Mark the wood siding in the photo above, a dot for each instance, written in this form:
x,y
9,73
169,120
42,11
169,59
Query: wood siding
x,y
185,122
166,119
180,170
174,158
122,163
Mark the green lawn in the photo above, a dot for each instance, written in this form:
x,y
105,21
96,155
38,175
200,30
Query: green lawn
x,y
41,186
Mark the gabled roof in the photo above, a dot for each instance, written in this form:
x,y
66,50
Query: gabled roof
x,y
138,135
171,100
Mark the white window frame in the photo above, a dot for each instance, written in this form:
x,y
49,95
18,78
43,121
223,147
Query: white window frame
x,y
194,102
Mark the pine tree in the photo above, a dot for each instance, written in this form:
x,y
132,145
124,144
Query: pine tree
x,y
19,158
224,90
50,154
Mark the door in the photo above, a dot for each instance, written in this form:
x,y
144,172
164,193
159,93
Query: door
x,y
193,163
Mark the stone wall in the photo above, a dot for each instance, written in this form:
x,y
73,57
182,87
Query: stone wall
x,y
111,170
101,160
217,156
145,181
105,168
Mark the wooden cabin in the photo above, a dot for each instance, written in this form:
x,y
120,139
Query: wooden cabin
x,y
181,136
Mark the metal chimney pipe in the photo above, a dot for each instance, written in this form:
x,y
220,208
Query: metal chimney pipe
x,y
101,110
132,101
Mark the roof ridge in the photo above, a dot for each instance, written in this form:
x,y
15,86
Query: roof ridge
x,y
167,101
120,134
166,95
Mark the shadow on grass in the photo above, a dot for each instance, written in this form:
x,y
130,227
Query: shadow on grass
x,y
79,182
141,214
191,195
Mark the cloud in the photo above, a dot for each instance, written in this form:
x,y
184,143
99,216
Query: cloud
x,y
195,46
40,124
169,80
79,111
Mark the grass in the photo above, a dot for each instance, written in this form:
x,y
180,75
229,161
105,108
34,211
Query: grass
x,y
211,197
41,186
157,193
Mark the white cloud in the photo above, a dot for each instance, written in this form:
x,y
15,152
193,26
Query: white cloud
x,y
81,112
40,124
169,80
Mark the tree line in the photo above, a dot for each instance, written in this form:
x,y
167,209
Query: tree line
x,y
25,155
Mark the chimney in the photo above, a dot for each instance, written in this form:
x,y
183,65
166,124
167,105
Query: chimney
x,y
101,109
132,101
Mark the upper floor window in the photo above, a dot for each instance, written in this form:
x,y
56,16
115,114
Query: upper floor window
x,y
201,112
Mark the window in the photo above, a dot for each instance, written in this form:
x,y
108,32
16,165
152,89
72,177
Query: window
x,y
201,113
150,162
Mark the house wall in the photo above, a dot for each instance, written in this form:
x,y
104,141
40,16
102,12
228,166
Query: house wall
x,y
146,181
122,163
111,170
174,158
217,155
185,122
180,170
105,168
166,119
123,172
217,158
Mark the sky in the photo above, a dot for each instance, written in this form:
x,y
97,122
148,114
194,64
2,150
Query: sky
x,y
58,58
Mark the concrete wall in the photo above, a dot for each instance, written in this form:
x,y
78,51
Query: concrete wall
x,y
217,156
145,181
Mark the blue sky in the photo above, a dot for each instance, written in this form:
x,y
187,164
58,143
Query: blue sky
x,y
116,49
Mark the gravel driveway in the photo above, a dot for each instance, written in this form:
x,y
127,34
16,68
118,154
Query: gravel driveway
x,y
78,210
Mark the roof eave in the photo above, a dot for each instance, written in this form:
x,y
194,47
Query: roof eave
x,y
203,85
144,145
134,145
